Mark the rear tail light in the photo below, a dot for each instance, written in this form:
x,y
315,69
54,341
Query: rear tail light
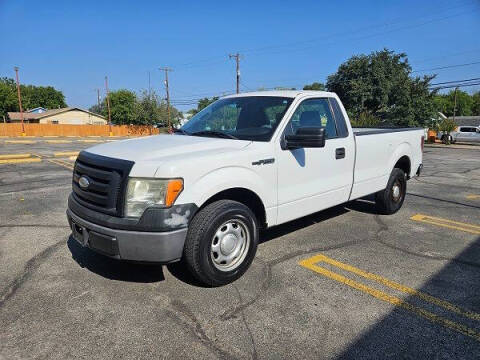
x,y
422,142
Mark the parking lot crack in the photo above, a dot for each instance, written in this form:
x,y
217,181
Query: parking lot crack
x,y
244,320
233,312
429,256
189,320
31,265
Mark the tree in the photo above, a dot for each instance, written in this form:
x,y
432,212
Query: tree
x,y
32,97
122,107
203,103
446,102
381,84
447,126
476,104
151,109
315,86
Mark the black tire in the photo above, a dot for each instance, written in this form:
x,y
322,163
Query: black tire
x,y
386,200
198,254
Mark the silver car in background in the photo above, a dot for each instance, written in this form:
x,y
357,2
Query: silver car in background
x,y
467,134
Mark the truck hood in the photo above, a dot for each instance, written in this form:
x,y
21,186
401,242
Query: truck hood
x,y
160,146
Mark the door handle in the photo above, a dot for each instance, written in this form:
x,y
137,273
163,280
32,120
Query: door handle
x,y
339,153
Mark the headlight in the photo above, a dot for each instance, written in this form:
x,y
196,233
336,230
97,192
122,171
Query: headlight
x,y
143,193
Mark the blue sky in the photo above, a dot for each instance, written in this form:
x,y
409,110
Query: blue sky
x,y
72,45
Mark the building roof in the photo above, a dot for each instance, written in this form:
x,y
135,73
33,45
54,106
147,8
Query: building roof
x,y
39,109
467,120
35,116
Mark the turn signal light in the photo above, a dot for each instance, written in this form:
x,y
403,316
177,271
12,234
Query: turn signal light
x,y
174,188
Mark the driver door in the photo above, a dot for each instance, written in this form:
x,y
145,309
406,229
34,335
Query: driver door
x,y
313,179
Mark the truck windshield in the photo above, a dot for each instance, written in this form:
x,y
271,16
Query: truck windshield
x,y
252,118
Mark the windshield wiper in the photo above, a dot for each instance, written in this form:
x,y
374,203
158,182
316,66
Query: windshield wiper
x,y
214,133
180,131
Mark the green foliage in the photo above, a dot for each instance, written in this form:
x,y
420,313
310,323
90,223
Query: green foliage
x,y
466,104
447,126
32,97
476,103
203,103
122,107
151,110
365,119
381,85
315,86
145,109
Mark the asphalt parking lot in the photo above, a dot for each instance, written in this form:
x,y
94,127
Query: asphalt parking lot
x,y
345,283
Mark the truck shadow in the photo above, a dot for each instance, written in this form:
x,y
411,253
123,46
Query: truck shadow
x,y
413,335
114,269
148,273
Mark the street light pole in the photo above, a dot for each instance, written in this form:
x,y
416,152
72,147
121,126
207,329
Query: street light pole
x,y
19,100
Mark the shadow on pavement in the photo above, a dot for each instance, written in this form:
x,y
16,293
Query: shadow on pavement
x,y
114,269
404,334
306,221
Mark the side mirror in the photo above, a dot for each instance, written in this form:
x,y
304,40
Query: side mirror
x,y
305,137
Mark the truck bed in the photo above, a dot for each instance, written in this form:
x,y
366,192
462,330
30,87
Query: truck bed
x,y
376,155
373,131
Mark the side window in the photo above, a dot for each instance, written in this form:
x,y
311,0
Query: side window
x,y
339,118
313,113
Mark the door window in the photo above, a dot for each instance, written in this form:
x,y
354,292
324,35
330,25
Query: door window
x,y
313,113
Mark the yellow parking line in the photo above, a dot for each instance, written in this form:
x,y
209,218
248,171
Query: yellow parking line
x,y
20,141
90,141
19,161
58,141
14,156
311,264
450,224
65,153
73,158
473,197
61,163
396,286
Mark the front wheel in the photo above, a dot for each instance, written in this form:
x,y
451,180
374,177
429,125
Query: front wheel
x,y
221,242
390,200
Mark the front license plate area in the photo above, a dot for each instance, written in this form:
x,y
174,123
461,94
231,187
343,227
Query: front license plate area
x,y
79,233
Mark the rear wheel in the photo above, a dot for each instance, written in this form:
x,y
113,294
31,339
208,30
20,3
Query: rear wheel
x,y
221,242
390,200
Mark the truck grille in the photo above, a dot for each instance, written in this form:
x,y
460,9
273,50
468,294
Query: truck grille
x,y
104,182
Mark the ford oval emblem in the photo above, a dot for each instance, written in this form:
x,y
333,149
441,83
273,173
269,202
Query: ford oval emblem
x,y
83,182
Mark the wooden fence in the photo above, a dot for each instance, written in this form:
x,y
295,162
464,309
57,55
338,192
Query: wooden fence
x,y
15,129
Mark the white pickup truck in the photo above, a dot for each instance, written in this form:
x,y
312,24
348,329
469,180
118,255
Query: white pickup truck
x,y
246,162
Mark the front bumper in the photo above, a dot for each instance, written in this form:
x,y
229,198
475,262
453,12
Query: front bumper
x,y
160,247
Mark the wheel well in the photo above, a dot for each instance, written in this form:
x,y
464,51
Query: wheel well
x,y
404,164
246,197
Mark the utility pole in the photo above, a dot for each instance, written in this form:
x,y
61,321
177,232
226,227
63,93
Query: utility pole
x,y
167,69
237,60
19,100
455,104
108,106
98,98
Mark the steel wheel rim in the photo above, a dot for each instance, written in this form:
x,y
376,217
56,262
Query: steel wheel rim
x,y
396,191
230,245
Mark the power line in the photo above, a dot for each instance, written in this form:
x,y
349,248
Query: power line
x,y
266,49
455,81
448,66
